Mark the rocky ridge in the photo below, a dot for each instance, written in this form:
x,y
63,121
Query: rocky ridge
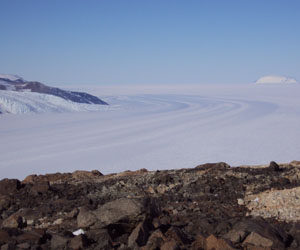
x,y
211,206
15,83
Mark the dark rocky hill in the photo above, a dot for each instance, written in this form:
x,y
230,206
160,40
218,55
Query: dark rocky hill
x,y
212,206
19,84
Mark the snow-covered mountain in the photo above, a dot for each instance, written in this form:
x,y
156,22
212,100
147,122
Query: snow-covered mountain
x,y
20,96
276,79
10,77
16,83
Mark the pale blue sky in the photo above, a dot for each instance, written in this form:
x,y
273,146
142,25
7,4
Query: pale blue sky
x,y
149,42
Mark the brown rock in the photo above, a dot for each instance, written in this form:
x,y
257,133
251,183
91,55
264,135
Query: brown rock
x,y
9,186
213,243
13,221
274,166
40,232
225,245
72,214
25,245
59,242
82,174
151,190
51,178
177,235
96,173
8,246
199,243
155,241
295,163
295,232
257,240
170,245
121,209
4,236
78,242
40,188
57,177
85,218
219,165
102,237
5,202
29,237
235,235
252,247
30,179
103,245
139,235
266,230
29,215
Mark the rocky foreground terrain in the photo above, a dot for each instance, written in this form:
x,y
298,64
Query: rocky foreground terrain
x,y
211,206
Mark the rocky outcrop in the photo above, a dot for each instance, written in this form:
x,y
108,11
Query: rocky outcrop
x,y
211,206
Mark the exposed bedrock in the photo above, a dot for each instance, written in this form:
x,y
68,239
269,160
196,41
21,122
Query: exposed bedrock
x,y
212,206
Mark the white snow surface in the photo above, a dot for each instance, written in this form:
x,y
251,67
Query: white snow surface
x,y
14,102
10,77
276,79
157,127
78,232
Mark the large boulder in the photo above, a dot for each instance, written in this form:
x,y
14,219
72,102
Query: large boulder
x,y
262,233
40,188
78,242
139,235
258,240
9,186
5,202
59,242
85,218
105,242
155,241
123,209
131,211
214,243
13,221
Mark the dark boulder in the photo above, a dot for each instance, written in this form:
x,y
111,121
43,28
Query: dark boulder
x,y
274,166
9,186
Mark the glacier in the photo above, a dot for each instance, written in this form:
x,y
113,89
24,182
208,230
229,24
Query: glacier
x,y
155,127
13,102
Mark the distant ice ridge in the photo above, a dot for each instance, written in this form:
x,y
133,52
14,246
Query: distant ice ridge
x,y
276,79
13,102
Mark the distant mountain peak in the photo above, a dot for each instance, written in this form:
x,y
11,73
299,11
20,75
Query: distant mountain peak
x,y
9,77
16,83
276,79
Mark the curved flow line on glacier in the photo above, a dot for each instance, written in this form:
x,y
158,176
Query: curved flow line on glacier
x,y
153,117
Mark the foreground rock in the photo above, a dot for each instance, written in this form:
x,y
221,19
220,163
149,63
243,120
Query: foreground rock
x,y
212,206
